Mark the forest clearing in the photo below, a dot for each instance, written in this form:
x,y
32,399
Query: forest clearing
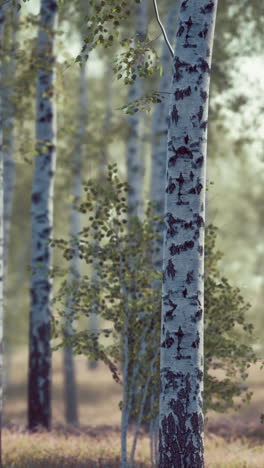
x,y
232,440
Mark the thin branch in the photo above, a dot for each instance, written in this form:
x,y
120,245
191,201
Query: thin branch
x,y
162,28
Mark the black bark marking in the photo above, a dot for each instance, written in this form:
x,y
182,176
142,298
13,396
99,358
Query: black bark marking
x,y
204,32
47,117
36,197
171,270
198,187
198,162
182,93
184,5
180,180
184,292
39,369
200,113
172,229
208,8
197,316
180,153
168,342
169,314
193,69
174,115
192,190
203,65
203,95
189,23
188,225
53,6
186,139
199,374
199,221
180,31
195,344
171,379
204,124
191,175
171,187
178,65
200,250
189,277
177,249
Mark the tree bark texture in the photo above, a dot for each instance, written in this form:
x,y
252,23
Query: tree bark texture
x,y
2,19
71,411
39,374
9,74
134,157
160,117
181,366
94,319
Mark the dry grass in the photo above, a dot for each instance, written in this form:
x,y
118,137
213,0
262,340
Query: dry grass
x,y
232,440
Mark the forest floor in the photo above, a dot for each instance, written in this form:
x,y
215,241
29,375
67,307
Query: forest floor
x,y
233,440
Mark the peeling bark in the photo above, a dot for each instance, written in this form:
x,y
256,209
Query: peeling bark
x,y
181,408
39,375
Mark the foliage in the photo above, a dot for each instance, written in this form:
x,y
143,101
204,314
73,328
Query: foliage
x,y
123,289
139,59
142,104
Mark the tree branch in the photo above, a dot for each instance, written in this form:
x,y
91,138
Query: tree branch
x,y
162,28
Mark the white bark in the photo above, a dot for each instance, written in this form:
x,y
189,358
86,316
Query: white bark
x,y
9,73
2,19
134,156
181,415
9,129
71,411
94,322
160,127
39,376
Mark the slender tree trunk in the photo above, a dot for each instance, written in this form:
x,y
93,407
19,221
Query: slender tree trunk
x,y
181,433
160,128
9,73
134,157
39,375
2,19
71,411
135,160
103,161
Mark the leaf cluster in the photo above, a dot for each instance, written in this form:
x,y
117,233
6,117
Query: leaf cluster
x,y
138,60
120,289
142,104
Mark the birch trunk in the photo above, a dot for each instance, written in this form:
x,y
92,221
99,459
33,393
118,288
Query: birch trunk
x,y
71,411
181,434
2,19
134,157
160,127
9,73
103,161
39,375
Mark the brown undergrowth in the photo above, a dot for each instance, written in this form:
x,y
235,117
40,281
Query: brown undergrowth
x,y
233,440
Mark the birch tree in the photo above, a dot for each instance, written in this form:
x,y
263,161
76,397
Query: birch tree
x,y
134,159
160,126
71,412
181,361
2,19
94,319
39,374
9,74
